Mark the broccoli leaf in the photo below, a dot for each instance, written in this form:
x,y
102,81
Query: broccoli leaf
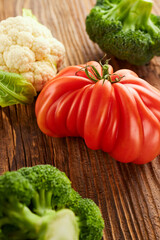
x,y
15,89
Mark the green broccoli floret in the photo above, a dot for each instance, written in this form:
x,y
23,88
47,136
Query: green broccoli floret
x,y
125,29
39,203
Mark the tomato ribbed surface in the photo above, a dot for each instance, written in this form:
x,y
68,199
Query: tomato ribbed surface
x,y
121,118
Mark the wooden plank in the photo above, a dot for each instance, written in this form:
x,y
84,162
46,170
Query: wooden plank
x,y
127,194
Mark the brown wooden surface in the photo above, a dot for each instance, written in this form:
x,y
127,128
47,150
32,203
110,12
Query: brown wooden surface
x,y
128,195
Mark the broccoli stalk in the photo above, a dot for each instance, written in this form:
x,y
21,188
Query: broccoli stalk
x,y
138,17
38,203
54,225
42,202
17,214
120,11
64,225
134,14
126,29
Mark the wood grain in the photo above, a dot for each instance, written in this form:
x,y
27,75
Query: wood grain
x,y
128,195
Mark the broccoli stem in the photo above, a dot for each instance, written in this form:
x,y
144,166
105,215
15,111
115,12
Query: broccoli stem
x,y
42,202
152,28
21,216
134,14
64,225
120,11
139,17
28,223
58,225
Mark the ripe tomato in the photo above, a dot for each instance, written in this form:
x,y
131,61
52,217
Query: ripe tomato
x,y
116,112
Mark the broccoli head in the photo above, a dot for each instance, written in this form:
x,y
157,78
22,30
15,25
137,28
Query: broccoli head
x,y
125,29
39,203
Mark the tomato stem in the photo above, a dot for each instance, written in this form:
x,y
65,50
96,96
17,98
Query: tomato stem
x,y
95,76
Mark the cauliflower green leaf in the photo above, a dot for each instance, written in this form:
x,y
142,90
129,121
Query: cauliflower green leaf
x,y
14,89
28,13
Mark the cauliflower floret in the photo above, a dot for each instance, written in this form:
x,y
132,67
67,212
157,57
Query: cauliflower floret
x,y
25,39
16,56
28,48
5,42
41,48
40,72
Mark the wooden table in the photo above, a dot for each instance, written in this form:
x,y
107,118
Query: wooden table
x,y
128,195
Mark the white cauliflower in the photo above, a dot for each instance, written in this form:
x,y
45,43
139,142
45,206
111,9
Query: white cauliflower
x,y
28,48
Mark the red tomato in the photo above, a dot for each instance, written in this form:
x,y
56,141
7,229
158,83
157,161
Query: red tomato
x,y
119,114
